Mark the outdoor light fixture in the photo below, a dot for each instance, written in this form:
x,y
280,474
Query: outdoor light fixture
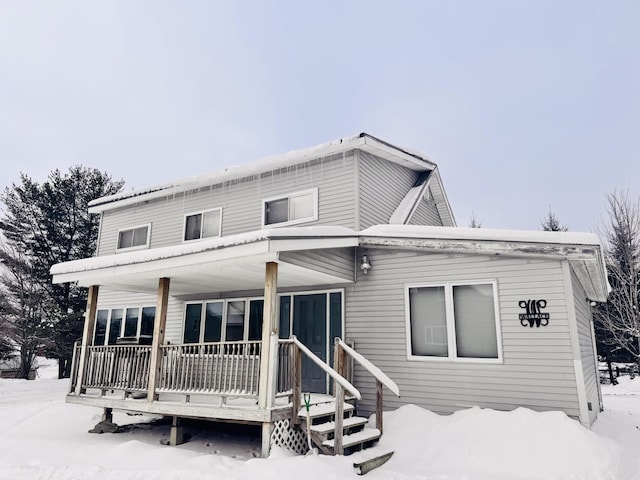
x,y
364,264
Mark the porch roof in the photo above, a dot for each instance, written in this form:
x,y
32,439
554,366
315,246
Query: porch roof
x,y
583,251
235,262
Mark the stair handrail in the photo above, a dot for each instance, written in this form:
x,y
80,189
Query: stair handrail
x,y
330,371
370,367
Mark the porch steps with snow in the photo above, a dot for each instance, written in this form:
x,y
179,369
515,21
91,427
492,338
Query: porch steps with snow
x,y
356,436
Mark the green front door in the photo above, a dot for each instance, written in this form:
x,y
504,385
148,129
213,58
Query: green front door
x,y
310,326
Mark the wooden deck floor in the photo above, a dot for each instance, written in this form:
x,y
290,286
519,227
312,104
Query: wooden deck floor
x,y
210,407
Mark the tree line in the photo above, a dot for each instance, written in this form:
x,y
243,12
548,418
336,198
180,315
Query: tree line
x,y
43,224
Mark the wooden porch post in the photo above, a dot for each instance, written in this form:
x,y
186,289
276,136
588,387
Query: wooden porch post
x,y
155,363
269,348
269,351
87,333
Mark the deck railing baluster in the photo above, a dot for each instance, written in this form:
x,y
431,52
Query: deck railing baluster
x,y
222,368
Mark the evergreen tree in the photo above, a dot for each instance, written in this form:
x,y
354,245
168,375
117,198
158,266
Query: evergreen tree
x,y
474,222
552,224
49,224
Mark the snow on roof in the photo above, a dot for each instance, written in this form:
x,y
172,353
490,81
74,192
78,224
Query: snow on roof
x,y
465,233
401,214
141,256
250,169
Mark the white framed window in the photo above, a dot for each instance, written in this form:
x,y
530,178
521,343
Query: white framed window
x,y
229,320
298,207
115,323
134,238
204,224
453,321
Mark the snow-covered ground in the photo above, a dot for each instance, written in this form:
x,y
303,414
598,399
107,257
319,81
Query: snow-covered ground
x,y
41,437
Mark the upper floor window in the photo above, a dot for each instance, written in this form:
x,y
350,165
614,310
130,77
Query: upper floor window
x,y
295,208
453,321
136,237
203,224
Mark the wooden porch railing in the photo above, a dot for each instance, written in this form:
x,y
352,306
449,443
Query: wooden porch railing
x,y
341,350
224,368
121,367
285,368
341,385
75,363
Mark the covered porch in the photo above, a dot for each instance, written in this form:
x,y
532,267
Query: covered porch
x,y
243,380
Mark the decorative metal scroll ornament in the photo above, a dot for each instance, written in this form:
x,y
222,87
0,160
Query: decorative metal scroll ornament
x,y
534,316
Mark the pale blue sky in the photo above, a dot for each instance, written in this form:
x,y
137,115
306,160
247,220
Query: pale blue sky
x,y
522,104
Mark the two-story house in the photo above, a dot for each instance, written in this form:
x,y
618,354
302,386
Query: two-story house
x,y
198,287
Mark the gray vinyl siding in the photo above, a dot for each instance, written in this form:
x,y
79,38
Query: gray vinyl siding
x,y
537,369
426,214
337,261
241,202
117,299
437,193
383,185
585,340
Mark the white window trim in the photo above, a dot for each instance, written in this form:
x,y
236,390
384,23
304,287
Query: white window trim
x,y
106,330
313,218
138,247
451,338
200,212
123,320
223,327
246,313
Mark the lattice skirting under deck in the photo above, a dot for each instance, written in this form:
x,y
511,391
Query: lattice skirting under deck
x,y
290,437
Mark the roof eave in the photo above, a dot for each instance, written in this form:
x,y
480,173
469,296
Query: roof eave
x,y
362,141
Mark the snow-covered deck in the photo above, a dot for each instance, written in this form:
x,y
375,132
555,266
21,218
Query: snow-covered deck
x,y
208,380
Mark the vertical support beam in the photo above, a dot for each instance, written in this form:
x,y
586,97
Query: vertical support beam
x,y
87,334
269,351
296,383
107,415
379,405
339,364
267,430
176,436
155,363
269,347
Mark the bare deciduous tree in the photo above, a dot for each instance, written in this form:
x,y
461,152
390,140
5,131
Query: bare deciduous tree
x,y
23,324
619,317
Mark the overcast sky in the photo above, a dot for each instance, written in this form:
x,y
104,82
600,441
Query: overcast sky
x,y
522,104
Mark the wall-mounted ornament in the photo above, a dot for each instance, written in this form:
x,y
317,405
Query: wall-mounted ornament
x,y
534,315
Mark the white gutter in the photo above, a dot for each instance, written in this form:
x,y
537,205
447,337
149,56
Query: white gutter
x,y
361,141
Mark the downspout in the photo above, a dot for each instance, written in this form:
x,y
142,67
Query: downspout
x,y
581,389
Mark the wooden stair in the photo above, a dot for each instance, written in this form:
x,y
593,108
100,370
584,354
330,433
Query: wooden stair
x,y
356,435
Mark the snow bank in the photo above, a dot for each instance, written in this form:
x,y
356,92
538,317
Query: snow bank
x,y
44,438
489,444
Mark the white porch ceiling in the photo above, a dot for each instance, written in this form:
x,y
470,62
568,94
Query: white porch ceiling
x,y
246,273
